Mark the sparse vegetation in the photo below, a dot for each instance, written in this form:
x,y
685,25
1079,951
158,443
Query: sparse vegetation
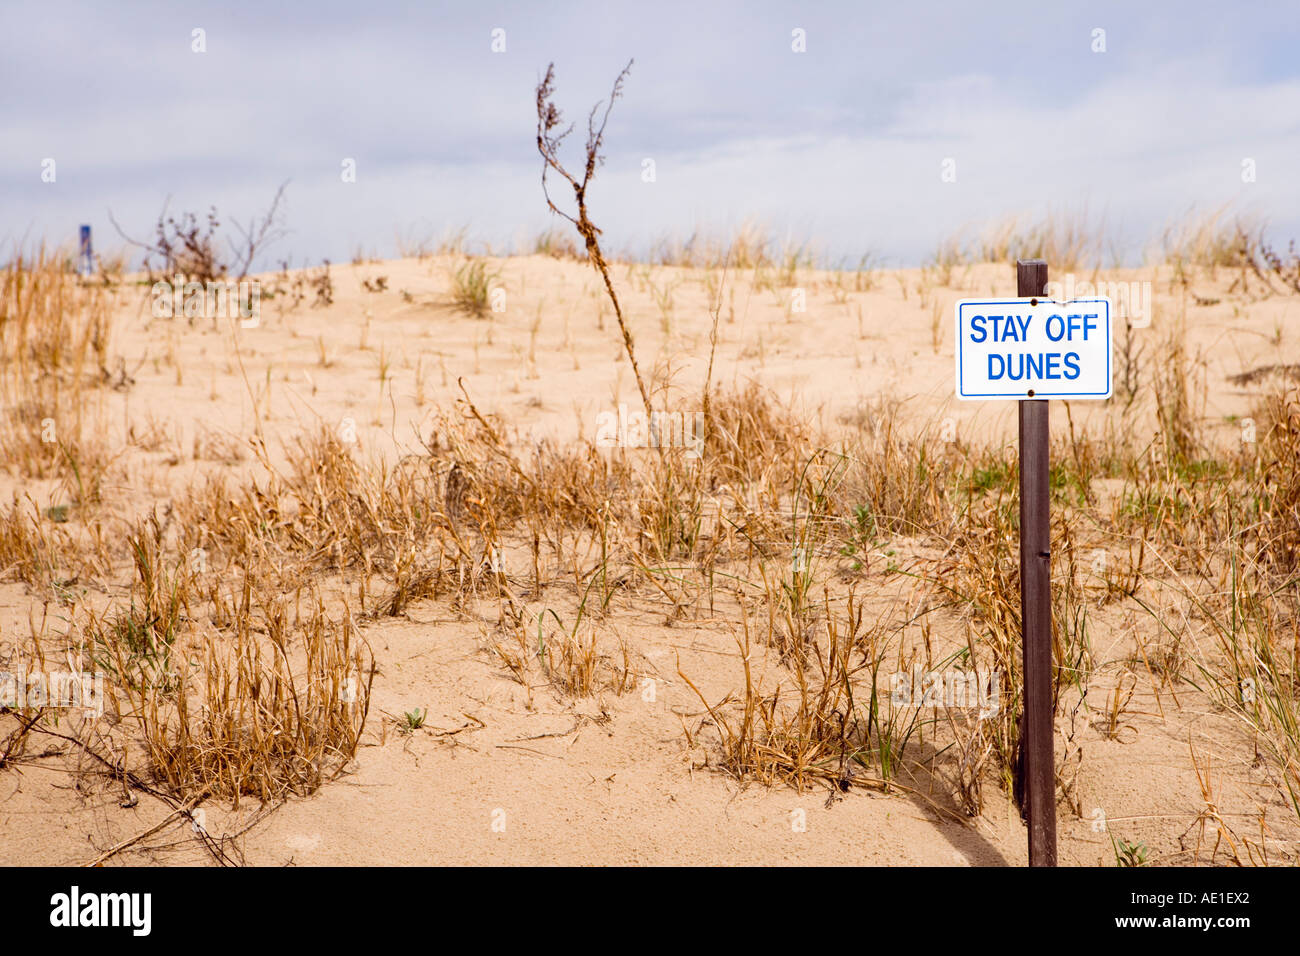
x,y
190,246
471,287
231,607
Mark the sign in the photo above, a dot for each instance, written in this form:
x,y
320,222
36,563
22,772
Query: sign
x,y
1033,348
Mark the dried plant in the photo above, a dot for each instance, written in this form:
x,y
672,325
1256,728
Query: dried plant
x,y
550,137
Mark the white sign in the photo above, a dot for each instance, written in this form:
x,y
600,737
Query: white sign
x,y
1033,348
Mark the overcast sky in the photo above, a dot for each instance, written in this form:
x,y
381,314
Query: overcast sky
x,y
842,145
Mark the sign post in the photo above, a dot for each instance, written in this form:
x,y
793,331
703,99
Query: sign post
x,y
1031,349
85,256
1038,765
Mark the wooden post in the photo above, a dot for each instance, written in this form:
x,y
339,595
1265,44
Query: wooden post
x,y
1038,764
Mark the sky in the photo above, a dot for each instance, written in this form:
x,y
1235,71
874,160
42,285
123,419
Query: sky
x,y
854,128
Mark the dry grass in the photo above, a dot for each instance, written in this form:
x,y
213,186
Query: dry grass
x,y
1207,241
1279,498
232,625
471,287
1069,239
54,352
812,725
266,714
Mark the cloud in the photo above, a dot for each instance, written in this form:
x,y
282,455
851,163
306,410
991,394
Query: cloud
x,y
841,145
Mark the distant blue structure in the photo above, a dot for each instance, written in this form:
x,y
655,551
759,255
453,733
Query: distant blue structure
x,y
86,259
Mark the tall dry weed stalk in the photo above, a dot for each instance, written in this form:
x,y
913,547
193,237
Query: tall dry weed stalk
x,y
550,137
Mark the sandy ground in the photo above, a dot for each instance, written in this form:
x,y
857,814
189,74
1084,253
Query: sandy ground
x,y
611,779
